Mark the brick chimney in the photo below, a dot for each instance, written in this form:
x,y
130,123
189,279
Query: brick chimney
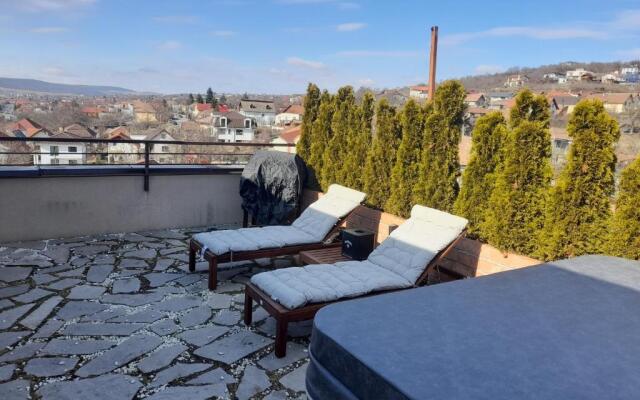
x,y
432,61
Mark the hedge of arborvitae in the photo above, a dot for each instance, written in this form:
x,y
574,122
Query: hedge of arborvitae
x,y
405,156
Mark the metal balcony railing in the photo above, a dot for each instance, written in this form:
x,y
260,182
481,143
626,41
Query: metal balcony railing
x,y
141,156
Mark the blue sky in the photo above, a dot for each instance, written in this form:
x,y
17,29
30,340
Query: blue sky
x,y
277,46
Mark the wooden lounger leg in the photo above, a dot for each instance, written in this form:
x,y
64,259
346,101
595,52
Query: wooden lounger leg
x,y
213,273
281,337
192,258
248,308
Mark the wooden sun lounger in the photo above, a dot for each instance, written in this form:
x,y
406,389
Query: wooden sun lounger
x,y
213,259
284,316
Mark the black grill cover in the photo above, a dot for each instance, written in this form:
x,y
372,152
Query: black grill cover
x,y
271,187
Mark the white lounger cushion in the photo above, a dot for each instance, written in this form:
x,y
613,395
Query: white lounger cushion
x,y
311,227
295,287
395,264
417,241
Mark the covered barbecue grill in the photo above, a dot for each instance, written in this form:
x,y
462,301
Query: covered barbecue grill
x,y
271,187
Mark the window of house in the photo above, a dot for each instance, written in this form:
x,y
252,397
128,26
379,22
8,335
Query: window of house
x,y
223,122
163,136
54,151
247,123
165,149
73,149
73,162
239,132
55,161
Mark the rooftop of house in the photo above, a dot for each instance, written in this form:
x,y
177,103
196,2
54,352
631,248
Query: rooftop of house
x,y
121,312
291,135
263,106
142,107
474,97
294,109
234,119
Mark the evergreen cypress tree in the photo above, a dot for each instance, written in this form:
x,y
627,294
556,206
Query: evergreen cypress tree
x,y
382,155
334,155
199,99
320,136
405,171
223,99
209,98
579,207
515,213
478,179
624,238
311,105
191,99
358,143
530,107
439,168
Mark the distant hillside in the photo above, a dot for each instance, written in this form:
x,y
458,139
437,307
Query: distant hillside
x,y
536,80
33,85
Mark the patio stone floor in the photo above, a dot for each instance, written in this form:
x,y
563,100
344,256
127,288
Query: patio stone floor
x,y
119,316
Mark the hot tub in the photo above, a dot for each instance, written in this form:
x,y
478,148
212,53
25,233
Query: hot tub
x,y
562,330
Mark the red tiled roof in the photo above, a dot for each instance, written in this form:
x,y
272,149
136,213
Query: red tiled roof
x,y
294,109
90,110
422,88
223,108
291,135
473,97
611,98
28,126
203,107
478,110
142,107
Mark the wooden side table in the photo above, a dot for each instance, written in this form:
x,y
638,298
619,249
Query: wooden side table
x,y
327,255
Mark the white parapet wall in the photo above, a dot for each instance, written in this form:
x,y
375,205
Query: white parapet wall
x,y
34,208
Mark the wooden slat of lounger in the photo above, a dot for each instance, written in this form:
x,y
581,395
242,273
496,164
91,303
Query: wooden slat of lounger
x,y
327,255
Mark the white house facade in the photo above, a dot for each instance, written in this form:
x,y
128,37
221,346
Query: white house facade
x,y
233,127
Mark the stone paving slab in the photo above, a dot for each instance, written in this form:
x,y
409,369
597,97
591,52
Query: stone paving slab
x,y
195,316
98,273
190,392
218,375
119,356
21,352
294,380
204,335
120,387
6,372
128,285
10,338
10,316
176,372
33,320
6,303
86,292
48,329
75,309
61,346
51,366
13,274
15,390
232,348
253,381
101,329
32,295
161,357
13,291
64,284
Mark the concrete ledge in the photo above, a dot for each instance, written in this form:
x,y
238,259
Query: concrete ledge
x,y
63,206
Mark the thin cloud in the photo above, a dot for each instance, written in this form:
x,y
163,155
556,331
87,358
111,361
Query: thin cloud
x,y
379,53
49,30
52,5
299,62
170,45
528,32
176,19
630,54
223,33
351,26
489,69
